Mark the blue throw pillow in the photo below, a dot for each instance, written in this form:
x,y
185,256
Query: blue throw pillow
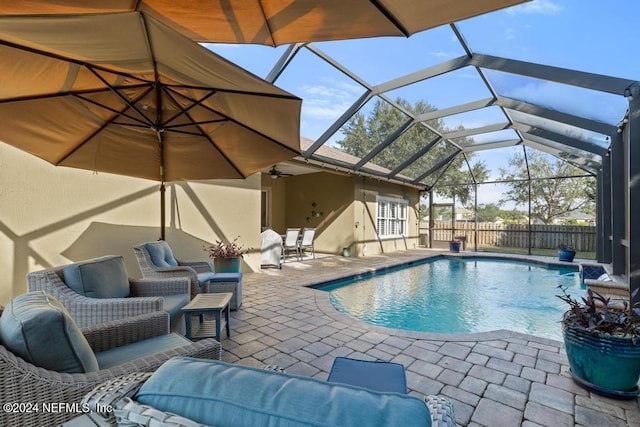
x,y
36,327
104,277
160,254
168,254
217,393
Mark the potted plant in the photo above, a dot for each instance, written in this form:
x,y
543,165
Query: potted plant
x,y
226,256
566,252
602,343
454,245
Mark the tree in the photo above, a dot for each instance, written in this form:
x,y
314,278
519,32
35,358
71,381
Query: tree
x,y
488,212
363,134
550,198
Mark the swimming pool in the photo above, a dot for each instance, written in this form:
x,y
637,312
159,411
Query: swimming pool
x,y
461,295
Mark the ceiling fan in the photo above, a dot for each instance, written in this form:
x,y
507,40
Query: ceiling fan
x,y
275,173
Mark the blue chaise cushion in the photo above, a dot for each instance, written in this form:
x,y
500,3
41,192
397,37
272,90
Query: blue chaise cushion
x,y
161,254
104,277
217,393
36,327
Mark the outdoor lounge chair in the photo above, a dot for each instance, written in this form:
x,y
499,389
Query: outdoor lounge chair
x,y
290,243
156,260
99,290
58,363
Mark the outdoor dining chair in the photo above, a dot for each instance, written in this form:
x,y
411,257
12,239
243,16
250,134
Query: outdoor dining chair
x,y
307,241
290,243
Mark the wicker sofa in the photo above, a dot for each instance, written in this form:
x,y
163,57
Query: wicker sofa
x,y
114,295
188,392
143,343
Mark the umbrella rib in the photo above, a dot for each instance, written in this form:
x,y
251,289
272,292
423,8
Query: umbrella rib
x,y
214,145
124,98
203,133
176,128
233,120
98,130
113,110
243,126
183,111
266,21
383,10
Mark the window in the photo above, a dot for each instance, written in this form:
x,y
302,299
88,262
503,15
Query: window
x,y
264,210
391,218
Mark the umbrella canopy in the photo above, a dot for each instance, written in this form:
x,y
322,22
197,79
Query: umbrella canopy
x,y
277,22
123,93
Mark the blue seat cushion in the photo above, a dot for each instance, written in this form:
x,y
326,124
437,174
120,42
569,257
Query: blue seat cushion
x,y
226,277
379,376
36,327
137,350
104,277
217,393
161,254
173,303
204,278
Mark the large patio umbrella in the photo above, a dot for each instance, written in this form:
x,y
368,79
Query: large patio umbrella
x,y
277,22
125,94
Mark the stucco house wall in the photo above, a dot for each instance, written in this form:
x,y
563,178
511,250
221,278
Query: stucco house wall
x,y
367,241
345,207
325,201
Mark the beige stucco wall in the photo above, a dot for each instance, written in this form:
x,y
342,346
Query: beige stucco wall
x,y
277,189
348,206
52,216
367,242
332,195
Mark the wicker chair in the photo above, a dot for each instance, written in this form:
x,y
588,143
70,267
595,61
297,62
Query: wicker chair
x,y
24,382
146,296
199,273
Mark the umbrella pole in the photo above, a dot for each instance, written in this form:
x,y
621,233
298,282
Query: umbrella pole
x,y
162,187
162,220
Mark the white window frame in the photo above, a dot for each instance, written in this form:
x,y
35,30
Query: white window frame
x,y
392,217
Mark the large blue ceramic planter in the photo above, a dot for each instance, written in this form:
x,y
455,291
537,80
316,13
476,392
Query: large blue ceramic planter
x,y
226,265
566,255
606,364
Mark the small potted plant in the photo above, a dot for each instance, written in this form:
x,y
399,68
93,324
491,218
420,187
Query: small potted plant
x,y
602,341
566,253
226,256
454,245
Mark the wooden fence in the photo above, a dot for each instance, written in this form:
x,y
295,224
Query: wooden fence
x,y
581,238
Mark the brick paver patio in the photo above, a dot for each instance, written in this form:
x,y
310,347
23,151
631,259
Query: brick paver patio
x,y
494,379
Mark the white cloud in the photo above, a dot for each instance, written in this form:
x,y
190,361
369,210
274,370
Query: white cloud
x,y
442,54
542,7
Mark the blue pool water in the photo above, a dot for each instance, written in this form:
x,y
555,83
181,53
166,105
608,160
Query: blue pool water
x,y
461,295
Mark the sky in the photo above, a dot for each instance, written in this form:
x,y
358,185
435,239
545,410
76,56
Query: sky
x,y
595,36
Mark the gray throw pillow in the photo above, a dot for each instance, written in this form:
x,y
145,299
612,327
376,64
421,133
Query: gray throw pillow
x,y
36,327
104,277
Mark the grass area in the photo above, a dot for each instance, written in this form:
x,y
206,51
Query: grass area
x,y
534,251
